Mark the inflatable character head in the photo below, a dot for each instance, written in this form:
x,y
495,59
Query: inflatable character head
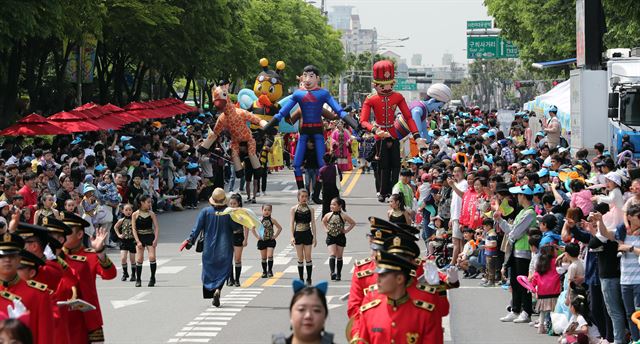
x,y
383,77
269,82
310,77
220,96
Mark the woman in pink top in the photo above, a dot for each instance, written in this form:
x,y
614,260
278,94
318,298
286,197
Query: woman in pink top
x,y
580,197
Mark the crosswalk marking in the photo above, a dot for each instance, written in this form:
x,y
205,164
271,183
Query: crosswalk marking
x,y
345,260
170,269
212,320
281,260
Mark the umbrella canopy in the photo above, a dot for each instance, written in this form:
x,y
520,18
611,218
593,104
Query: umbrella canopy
x,y
95,116
33,125
139,110
120,113
73,122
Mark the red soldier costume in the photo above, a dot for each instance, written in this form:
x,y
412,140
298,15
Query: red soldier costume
x,y
86,265
384,104
403,320
35,296
67,285
363,278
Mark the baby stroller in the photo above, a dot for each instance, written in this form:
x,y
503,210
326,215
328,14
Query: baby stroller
x,y
443,251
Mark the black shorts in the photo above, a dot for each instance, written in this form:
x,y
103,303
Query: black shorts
x,y
249,171
128,245
238,239
303,237
264,244
340,240
146,239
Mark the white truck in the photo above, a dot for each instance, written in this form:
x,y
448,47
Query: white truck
x,y
623,75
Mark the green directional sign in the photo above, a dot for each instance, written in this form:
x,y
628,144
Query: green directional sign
x,y
403,84
490,47
478,24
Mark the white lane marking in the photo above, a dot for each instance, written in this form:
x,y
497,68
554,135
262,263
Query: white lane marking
x,y
134,300
291,269
213,320
345,260
446,324
281,260
170,269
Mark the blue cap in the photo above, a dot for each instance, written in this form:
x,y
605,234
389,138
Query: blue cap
x,y
553,173
525,161
541,133
129,147
197,121
192,166
76,140
553,108
202,115
524,189
188,121
543,173
472,131
538,189
180,180
482,126
100,168
88,188
416,161
145,160
530,151
488,158
125,138
606,153
503,142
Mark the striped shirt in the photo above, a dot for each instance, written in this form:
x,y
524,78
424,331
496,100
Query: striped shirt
x,y
629,265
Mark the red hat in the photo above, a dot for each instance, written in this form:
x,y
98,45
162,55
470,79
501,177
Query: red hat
x,y
383,72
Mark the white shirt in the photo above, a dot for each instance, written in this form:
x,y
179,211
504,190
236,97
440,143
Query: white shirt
x,y
456,201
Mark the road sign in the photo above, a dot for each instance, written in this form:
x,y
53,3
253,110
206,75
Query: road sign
x,y
478,24
403,84
490,47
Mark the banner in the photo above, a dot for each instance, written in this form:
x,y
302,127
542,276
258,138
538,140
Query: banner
x,y
88,50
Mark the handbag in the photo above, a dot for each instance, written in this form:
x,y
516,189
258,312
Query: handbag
x,y
200,242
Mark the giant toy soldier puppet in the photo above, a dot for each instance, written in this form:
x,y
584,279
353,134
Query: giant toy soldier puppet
x,y
384,104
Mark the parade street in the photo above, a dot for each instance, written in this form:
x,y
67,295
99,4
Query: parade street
x,y
174,311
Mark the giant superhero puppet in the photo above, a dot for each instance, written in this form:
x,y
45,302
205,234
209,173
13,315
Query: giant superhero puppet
x,y
262,101
311,99
384,104
234,120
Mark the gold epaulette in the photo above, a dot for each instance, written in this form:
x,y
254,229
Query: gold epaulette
x,y
90,250
424,305
364,273
362,262
370,288
9,296
78,258
370,305
62,263
432,289
37,285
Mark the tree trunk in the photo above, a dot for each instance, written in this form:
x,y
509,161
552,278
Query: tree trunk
x,y
139,82
11,90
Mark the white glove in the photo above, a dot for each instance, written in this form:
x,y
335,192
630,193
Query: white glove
x,y
17,310
48,253
431,273
452,274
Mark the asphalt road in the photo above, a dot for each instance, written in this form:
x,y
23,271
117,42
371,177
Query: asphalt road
x,y
174,311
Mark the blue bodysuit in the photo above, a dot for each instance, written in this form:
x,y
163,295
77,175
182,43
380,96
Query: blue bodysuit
x,y
311,102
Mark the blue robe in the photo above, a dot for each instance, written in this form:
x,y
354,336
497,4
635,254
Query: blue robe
x,y
218,247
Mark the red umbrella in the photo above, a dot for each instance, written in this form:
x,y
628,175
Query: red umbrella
x,y
73,122
119,113
96,117
33,125
140,110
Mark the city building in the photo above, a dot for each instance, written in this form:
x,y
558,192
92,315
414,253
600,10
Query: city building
x,y
416,60
355,39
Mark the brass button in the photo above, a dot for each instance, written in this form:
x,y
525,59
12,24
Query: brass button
x,y
395,309
393,341
393,324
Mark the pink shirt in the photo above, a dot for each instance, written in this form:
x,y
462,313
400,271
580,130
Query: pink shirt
x,y
583,201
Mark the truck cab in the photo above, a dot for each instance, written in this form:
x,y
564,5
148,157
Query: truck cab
x,y
623,74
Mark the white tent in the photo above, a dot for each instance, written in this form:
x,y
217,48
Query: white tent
x,y
560,96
